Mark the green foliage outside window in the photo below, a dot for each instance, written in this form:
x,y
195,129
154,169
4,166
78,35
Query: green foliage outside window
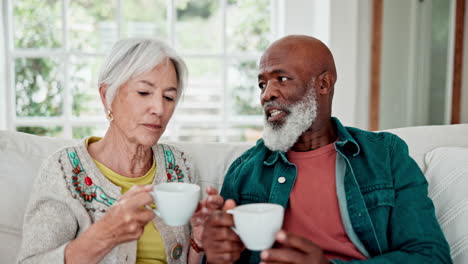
x,y
38,24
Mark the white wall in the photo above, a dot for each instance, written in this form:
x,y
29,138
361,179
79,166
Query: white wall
x,y
344,46
305,18
3,100
396,58
344,25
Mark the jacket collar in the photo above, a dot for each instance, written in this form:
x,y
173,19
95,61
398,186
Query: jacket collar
x,y
345,143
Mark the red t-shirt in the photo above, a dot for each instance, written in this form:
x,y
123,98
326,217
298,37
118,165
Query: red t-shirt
x,y
313,211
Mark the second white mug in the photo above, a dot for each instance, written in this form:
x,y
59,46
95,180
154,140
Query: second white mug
x,y
257,224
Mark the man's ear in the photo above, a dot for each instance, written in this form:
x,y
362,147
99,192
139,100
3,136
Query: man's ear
x,y
325,82
103,93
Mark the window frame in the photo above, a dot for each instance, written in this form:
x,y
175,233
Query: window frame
x,y
67,121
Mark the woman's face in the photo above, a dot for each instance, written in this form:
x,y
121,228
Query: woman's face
x,y
144,105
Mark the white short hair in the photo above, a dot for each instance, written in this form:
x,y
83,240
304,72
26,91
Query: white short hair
x,y
133,56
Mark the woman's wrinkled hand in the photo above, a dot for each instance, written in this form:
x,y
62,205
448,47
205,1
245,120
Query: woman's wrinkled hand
x,y
213,201
126,219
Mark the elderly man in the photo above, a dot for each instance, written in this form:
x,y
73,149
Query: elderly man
x,y
349,194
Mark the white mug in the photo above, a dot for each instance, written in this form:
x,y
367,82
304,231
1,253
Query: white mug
x,y
175,202
257,224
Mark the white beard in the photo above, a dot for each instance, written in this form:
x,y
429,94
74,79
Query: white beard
x,y
281,137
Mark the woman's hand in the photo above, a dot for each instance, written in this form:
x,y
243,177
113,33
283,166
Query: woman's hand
x,y
124,221
212,202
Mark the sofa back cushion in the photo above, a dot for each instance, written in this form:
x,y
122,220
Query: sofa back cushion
x,y
21,156
447,174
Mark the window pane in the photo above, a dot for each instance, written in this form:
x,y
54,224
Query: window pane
x,y
37,24
243,96
53,131
199,133
92,25
38,87
203,97
248,25
84,73
84,132
249,133
198,27
145,18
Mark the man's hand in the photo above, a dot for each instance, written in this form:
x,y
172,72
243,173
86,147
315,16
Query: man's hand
x,y
213,201
221,244
295,250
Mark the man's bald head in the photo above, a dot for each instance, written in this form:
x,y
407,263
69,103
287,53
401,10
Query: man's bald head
x,y
308,52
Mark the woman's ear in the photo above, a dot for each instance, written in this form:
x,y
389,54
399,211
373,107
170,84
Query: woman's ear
x,y
103,93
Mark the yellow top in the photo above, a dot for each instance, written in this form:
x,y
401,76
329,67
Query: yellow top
x,y
150,246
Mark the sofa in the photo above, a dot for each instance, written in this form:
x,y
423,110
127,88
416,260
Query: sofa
x,y
440,151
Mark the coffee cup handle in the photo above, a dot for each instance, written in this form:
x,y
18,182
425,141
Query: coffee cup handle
x,y
231,212
154,210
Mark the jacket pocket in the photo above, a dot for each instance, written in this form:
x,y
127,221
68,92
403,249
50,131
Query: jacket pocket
x,y
380,195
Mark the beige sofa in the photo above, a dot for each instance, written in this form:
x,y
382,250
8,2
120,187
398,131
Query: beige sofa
x,y
22,154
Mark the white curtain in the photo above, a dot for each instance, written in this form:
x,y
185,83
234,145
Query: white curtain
x,y
3,62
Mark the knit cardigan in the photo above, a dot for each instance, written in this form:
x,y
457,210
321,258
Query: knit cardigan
x,y
70,194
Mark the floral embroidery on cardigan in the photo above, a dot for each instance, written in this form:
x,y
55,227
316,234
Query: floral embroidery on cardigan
x,y
84,185
173,171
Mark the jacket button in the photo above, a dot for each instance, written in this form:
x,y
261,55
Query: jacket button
x,y
176,251
281,179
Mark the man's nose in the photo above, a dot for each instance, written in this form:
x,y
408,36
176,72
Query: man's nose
x,y
270,93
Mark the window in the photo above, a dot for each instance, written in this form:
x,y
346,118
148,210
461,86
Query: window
x,y
55,48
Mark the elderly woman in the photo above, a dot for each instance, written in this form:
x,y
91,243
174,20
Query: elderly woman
x,y
89,203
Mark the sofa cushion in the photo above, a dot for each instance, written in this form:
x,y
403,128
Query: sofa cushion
x,y
21,157
423,139
447,174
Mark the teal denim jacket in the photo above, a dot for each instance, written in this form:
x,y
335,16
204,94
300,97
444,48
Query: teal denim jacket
x,y
382,194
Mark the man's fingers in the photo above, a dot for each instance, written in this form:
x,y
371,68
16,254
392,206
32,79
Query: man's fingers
x,y
283,255
222,246
296,242
199,207
214,202
228,257
221,234
221,219
211,190
229,204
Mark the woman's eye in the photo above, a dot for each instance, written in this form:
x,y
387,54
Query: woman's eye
x,y
170,99
143,93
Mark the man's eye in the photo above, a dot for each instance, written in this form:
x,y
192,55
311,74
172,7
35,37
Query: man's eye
x,y
262,85
282,79
143,93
